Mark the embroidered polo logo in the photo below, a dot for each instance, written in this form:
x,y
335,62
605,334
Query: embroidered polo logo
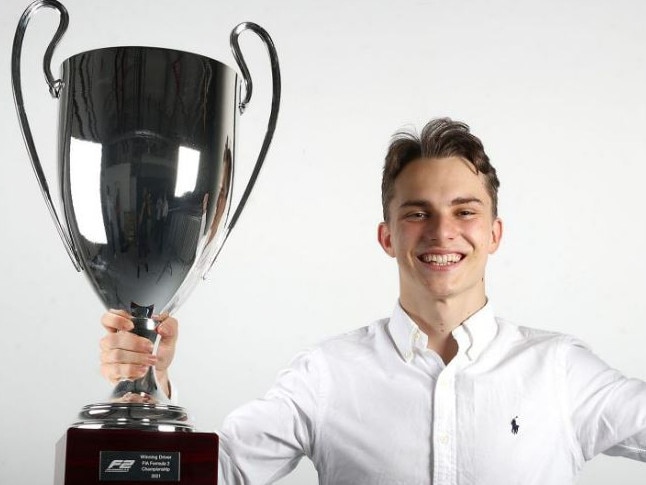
x,y
514,426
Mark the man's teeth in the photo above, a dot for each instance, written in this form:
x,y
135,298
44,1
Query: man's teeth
x,y
441,259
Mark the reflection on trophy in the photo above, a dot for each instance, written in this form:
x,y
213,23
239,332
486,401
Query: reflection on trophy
x,y
146,162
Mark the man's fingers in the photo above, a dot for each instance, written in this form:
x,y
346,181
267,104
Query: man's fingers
x,y
126,341
125,355
118,357
116,320
119,320
167,327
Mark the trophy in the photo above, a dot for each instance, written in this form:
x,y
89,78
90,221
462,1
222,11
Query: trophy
x,y
145,165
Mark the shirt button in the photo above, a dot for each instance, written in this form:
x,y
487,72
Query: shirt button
x,y
444,438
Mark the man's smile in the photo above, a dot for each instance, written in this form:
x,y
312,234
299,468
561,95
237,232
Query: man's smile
x,y
444,259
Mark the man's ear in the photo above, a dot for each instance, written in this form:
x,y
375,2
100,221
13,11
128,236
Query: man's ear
x,y
496,235
385,239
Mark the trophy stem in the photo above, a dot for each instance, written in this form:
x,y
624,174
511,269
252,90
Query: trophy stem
x,y
138,403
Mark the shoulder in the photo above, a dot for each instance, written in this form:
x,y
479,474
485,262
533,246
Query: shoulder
x,y
358,344
359,336
530,337
318,363
567,353
357,340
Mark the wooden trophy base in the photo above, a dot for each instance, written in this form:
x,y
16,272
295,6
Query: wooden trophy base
x,y
134,457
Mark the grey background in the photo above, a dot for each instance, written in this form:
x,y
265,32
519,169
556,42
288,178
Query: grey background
x,y
555,90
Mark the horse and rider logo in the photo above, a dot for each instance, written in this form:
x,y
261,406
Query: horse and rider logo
x,y
514,425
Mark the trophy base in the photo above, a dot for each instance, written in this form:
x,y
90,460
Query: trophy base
x,y
135,457
134,416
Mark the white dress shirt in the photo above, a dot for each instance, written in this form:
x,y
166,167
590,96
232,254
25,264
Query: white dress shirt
x,y
375,406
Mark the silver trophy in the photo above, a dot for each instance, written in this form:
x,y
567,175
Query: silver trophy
x,y
146,160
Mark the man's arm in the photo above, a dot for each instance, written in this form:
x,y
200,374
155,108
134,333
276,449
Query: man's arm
x,y
608,409
265,439
260,441
632,447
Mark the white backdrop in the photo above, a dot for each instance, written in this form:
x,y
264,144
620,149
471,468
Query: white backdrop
x,y
555,90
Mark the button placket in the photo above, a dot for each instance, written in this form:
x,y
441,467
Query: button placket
x,y
444,470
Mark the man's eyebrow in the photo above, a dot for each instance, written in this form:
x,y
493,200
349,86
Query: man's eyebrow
x,y
466,200
414,203
454,202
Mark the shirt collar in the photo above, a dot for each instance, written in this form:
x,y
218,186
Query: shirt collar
x,y
473,335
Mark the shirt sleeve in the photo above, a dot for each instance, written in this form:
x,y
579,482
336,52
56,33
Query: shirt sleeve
x,y
608,409
264,440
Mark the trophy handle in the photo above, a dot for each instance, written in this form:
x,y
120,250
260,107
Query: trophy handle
x,y
55,87
273,114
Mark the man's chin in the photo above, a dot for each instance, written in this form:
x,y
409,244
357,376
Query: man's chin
x,y
439,291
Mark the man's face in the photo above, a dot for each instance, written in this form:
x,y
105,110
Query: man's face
x,y
441,230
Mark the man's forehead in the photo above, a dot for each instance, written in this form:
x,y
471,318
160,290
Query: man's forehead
x,y
453,163
429,188
454,176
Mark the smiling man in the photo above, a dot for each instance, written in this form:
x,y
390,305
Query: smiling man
x,y
440,223
442,392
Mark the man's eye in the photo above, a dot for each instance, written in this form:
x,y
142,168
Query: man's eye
x,y
466,213
417,215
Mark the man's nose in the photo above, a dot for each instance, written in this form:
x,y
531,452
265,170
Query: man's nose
x,y
442,227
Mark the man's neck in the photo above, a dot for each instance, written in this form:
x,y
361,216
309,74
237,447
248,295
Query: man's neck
x,y
437,318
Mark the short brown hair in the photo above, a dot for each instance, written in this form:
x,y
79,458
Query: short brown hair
x,y
441,137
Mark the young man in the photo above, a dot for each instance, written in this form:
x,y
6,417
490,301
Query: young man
x,y
442,392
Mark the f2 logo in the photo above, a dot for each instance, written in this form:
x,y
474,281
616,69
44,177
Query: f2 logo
x,y
120,466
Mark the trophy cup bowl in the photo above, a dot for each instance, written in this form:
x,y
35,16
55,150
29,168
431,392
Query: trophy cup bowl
x,y
146,156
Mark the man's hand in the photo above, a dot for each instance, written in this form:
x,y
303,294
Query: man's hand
x,y
126,355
